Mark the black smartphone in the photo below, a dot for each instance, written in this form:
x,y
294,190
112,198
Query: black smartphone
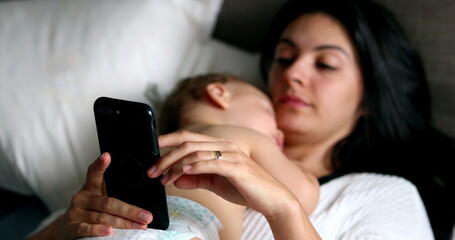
x,y
127,130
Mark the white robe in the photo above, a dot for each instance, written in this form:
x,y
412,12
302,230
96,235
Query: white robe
x,y
360,206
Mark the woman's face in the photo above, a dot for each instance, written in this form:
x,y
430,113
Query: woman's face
x,y
315,81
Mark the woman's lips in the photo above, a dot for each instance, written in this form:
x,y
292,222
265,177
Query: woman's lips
x,y
293,101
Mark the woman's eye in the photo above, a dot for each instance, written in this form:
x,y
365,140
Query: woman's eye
x,y
325,66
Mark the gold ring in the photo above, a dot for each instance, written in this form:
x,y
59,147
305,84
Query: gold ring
x,y
218,155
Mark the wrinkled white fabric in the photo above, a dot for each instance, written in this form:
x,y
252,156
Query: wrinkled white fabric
x,y
360,206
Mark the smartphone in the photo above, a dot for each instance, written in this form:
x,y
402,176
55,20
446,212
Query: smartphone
x,y
127,131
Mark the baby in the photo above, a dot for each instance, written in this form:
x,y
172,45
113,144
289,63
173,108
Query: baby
x,y
225,106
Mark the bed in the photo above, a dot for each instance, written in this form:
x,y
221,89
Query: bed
x,y
58,56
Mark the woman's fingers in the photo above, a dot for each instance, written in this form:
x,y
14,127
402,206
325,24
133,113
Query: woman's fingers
x,y
95,215
177,138
106,210
233,169
185,143
236,181
99,218
92,213
95,180
176,166
102,203
89,230
173,165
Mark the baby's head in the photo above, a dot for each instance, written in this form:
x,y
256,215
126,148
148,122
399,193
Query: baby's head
x,y
219,99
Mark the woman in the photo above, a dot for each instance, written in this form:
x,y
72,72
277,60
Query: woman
x,y
351,96
393,133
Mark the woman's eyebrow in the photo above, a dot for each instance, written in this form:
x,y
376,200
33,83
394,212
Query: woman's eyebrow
x,y
289,42
333,47
286,41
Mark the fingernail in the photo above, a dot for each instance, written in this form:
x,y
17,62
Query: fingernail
x,y
139,226
164,178
106,230
186,168
151,170
146,217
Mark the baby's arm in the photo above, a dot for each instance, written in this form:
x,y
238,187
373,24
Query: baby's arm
x,y
267,154
302,183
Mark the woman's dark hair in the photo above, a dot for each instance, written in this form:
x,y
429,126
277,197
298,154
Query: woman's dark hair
x,y
396,136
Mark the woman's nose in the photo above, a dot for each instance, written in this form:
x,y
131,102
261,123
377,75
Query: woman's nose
x,y
296,74
296,81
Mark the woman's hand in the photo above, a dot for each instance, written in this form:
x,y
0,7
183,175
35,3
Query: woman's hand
x,y
92,213
192,163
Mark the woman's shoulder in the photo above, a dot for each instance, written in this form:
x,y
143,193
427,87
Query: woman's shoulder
x,y
365,204
368,179
371,184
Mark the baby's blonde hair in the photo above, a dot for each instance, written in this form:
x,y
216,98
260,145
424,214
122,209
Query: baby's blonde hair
x,y
188,88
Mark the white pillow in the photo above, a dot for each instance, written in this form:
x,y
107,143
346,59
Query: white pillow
x,y
231,59
58,56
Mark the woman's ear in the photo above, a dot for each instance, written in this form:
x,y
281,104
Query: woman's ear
x,y
218,94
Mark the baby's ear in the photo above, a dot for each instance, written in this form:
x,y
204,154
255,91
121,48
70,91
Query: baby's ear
x,y
218,94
